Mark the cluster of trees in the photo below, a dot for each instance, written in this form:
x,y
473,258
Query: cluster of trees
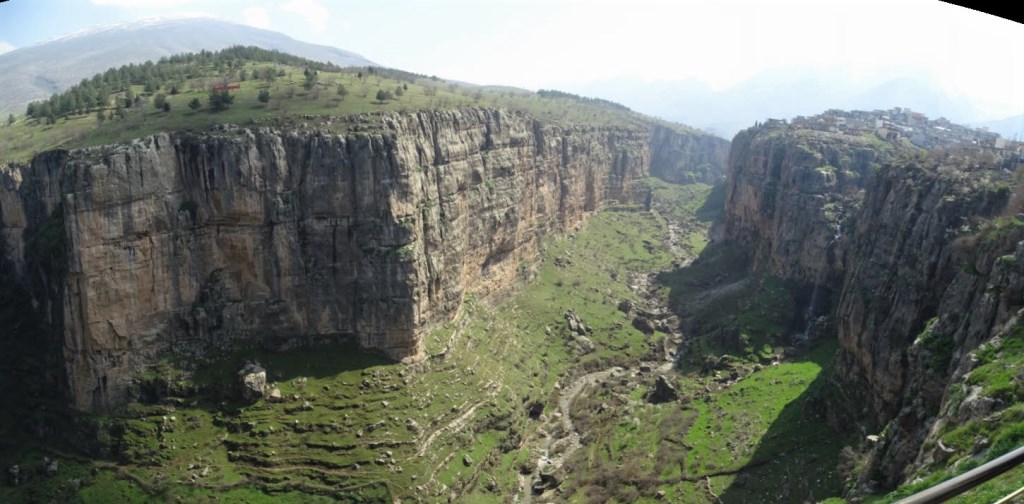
x,y
390,73
551,93
384,95
168,74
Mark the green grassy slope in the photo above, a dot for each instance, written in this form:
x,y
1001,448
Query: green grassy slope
x,y
289,98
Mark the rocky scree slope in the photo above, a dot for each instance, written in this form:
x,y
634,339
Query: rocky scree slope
x,y
187,244
922,270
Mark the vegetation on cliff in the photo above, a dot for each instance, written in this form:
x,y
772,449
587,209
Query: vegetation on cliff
x,y
117,105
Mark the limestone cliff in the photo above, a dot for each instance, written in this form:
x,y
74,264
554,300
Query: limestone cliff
x,y
923,270
186,244
686,157
789,192
913,303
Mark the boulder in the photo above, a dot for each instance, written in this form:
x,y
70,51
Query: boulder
x,y
253,380
663,391
644,325
625,306
584,345
550,477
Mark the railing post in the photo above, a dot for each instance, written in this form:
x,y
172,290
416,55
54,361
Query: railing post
x,y
968,480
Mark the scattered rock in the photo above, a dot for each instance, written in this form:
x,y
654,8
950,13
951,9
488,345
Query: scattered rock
x,y
274,395
50,466
576,324
412,426
584,345
663,391
467,460
15,476
873,439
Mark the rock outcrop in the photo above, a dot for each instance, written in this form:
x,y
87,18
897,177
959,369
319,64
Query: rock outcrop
x,y
188,244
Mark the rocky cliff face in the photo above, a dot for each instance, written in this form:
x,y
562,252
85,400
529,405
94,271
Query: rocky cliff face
x,y
920,280
913,302
789,194
685,158
187,244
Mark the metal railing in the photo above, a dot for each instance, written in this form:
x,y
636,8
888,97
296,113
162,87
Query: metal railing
x,y
968,480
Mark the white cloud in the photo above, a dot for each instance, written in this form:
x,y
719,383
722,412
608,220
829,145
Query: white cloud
x,y
6,46
316,14
148,4
256,16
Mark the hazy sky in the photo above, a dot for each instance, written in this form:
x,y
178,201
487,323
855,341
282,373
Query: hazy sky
x,y
533,43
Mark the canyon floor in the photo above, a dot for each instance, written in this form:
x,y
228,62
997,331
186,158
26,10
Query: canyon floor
x,y
581,385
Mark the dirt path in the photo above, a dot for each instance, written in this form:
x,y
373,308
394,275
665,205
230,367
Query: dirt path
x,y
563,420
457,423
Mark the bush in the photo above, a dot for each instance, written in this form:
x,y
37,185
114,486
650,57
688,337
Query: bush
x,y
263,96
195,104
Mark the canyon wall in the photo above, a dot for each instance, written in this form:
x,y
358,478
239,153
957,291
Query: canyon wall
x,y
905,241
188,244
927,283
685,157
789,194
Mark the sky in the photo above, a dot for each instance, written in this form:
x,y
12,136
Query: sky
x,y
564,43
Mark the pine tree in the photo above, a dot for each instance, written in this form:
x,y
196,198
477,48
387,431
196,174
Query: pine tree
x,y
10,120
195,104
220,100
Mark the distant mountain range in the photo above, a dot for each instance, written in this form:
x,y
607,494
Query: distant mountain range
x,y
38,71
786,93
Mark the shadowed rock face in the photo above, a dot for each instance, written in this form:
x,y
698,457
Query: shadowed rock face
x,y
188,244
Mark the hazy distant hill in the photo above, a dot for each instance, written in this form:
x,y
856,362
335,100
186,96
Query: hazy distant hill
x,y
780,93
36,72
1010,127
